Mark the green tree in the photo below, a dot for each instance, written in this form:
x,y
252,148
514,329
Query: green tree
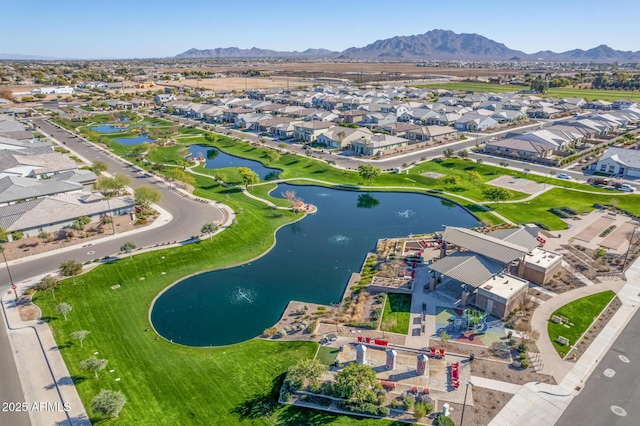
x,y
305,369
108,403
368,172
496,194
474,177
249,177
120,181
181,175
463,153
128,247
209,228
273,155
211,137
3,235
448,153
451,181
93,364
146,195
98,167
70,268
354,380
63,309
105,185
80,335
48,283
421,409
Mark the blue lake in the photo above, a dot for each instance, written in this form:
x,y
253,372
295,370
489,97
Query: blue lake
x,y
216,159
312,262
107,128
134,141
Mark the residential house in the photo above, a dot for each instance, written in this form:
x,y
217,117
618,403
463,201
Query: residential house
x,y
619,162
352,116
342,137
429,133
377,144
377,119
399,128
623,104
309,131
473,122
164,97
52,214
284,130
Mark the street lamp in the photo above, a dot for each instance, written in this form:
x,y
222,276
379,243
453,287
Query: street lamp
x,y
110,216
464,404
13,286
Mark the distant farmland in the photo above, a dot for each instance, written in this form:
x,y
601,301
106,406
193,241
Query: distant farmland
x,y
562,92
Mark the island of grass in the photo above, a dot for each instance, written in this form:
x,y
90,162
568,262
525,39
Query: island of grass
x,y
397,313
580,315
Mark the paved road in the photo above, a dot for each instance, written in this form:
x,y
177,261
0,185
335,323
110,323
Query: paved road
x,y
601,395
10,387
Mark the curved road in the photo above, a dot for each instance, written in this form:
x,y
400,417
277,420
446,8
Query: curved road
x,y
188,215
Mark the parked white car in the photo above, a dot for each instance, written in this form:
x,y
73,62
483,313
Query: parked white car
x,y
627,188
564,176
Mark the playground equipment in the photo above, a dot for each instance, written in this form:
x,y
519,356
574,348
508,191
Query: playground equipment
x,y
470,320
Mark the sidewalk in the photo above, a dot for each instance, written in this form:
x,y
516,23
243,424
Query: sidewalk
x,y
540,404
45,379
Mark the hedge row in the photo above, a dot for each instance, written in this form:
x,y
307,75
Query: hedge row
x,y
363,408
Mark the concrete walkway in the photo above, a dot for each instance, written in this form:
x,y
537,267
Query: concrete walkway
x,y
43,373
497,385
553,364
540,404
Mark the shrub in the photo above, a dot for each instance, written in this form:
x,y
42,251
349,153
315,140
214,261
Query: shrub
x,y
443,420
376,314
270,332
363,408
394,403
524,363
371,325
407,402
420,410
17,235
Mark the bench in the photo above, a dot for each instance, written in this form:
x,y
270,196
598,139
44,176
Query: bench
x,y
562,340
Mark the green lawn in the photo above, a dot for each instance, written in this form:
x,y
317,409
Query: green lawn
x,y
168,384
397,309
591,94
581,313
537,210
559,92
327,354
154,122
474,87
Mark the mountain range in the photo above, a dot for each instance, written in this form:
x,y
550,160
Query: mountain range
x,y
432,45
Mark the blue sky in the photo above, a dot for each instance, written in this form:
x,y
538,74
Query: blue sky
x,y
142,29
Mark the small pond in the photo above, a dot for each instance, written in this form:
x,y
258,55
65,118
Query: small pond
x,y
137,140
216,159
312,261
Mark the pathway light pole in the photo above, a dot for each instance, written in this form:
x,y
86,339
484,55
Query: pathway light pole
x,y
464,404
13,286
